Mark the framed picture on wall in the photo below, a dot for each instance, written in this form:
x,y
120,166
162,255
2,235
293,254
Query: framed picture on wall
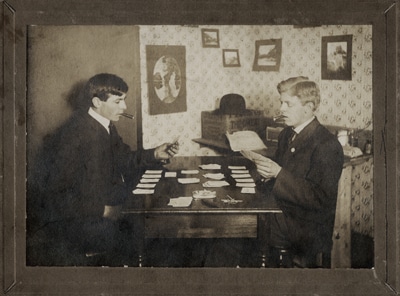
x,y
230,57
210,37
268,55
336,57
166,77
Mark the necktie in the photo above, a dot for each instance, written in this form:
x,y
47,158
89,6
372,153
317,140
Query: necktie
x,y
113,145
291,137
113,135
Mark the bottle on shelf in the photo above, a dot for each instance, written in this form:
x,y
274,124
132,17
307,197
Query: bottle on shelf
x,y
353,138
368,147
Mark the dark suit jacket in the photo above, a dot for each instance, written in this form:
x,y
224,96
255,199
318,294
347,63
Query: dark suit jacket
x,y
306,187
78,175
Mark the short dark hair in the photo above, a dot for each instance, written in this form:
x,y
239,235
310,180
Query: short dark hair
x,y
102,86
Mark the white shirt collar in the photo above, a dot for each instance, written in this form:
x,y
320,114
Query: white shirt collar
x,y
303,125
102,120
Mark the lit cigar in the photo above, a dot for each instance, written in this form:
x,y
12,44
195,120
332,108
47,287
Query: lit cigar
x,y
277,118
127,115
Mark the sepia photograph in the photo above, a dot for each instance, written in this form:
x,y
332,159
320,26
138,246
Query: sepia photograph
x,y
135,163
210,37
119,206
267,55
231,58
336,57
166,66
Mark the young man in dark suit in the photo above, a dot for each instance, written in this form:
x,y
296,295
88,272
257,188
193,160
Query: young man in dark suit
x,y
303,177
84,177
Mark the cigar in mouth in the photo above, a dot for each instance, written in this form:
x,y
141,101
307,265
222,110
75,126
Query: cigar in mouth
x,y
278,118
127,115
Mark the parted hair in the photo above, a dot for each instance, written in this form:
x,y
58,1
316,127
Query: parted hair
x,y
303,88
102,86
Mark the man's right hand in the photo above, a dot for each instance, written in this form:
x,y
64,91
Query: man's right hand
x,y
267,168
112,212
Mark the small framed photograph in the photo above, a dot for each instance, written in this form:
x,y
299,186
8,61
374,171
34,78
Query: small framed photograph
x,y
268,55
336,57
230,57
210,37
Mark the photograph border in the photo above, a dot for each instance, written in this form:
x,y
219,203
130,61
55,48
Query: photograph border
x,y
206,43
346,73
235,62
17,279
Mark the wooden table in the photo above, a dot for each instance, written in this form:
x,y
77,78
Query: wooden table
x,y
204,218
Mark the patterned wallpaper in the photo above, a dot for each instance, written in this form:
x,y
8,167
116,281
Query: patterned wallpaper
x,y
362,199
344,103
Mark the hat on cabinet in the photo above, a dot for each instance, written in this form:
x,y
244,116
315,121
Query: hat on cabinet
x,y
232,104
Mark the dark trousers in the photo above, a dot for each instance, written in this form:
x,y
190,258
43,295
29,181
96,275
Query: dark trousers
x,y
68,243
296,239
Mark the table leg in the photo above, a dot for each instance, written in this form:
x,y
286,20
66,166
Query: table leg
x,y
137,224
264,232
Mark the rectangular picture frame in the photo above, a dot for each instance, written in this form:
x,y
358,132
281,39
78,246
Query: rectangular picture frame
x,y
167,90
230,58
336,52
267,55
210,37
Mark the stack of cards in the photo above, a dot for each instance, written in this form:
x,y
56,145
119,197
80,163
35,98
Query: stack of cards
x,y
243,178
148,182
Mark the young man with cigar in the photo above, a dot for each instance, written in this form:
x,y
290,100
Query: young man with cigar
x,y
86,174
303,177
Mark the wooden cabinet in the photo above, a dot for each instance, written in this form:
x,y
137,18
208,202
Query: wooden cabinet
x,y
341,250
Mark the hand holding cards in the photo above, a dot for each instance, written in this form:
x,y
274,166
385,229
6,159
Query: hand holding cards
x,y
253,156
266,167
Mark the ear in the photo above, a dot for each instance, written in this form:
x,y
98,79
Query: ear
x,y
310,106
96,102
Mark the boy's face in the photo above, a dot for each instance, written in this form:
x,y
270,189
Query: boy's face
x,y
294,111
112,108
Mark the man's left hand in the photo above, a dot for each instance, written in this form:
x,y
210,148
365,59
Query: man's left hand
x,y
166,150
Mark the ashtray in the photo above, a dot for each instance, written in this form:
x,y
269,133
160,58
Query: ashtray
x,y
204,194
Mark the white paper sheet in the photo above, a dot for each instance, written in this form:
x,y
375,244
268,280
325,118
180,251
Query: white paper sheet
x,y
149,180
245,184
245,140
155,172
170,174
211,166
215,184
143,191
239,176
189,172
236,167
151,176
240,171
216,176
183,201
188,180
245,180
248,190
147,185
